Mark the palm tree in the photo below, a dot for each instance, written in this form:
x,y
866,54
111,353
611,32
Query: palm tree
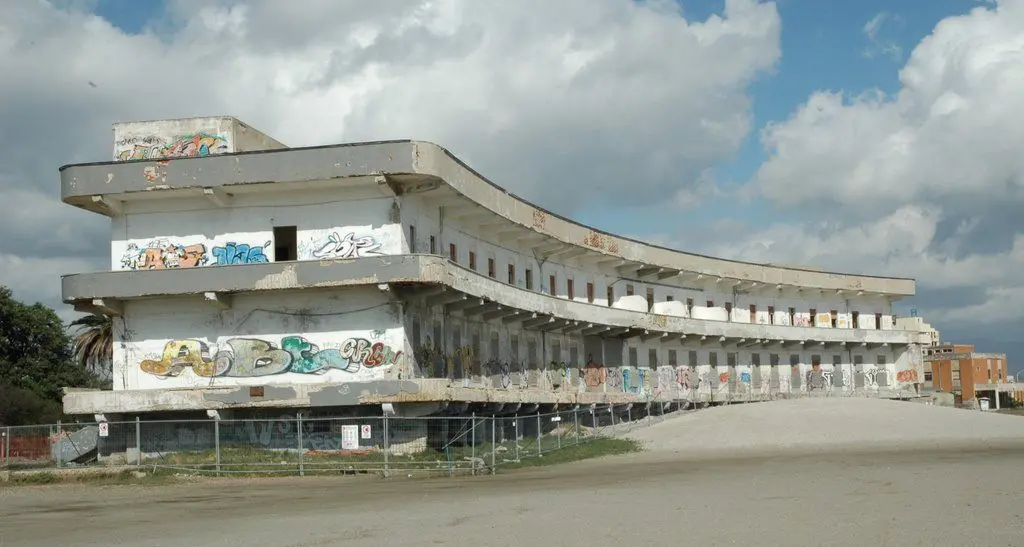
x,y
94,342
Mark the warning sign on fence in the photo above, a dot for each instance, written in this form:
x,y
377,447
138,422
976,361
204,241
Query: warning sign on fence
x,y
365,432
350,437
104,429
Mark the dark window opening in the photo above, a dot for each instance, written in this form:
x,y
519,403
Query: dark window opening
x,y
490,268
412,239
551,285
689,307
611,295
650,299
433,245
878,320
855,319
529,279
511,274
753,313
814,317
629,290
472,260
590,293
792,316
835,318
453,253
771,315
285,243
569,289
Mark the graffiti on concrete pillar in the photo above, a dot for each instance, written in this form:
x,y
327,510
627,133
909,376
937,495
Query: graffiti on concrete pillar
x,y
161,254
594,374
906,376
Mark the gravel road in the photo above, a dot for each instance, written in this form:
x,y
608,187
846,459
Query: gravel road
x,y
784,473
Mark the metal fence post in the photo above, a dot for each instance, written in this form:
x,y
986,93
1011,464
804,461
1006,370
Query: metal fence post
x,y
494,442
515,426
387,446
593,420
60,453
539,449
216,441
576,423
7,447
558,430
472,442
302,463
138,442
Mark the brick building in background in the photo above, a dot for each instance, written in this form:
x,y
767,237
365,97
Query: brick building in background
x,y
958,369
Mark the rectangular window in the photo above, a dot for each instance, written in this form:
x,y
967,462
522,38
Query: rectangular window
x,y
692,358
634,359
652,358
713,358
773,359
513,344
531,352
453,253
650,299
753,313
794,359
285,243
815,360
529,279
689,307
511,274
569,289
835,318
837,360
472,260
551,285
858,359
433,245
611,295
728,310
412,239
881,360
730,359
855,319
771,315
814,317
556,351
710,304
629,290
590,293
669,298
878,320
491,269
792,316
574,356
495,349
755,359
672,358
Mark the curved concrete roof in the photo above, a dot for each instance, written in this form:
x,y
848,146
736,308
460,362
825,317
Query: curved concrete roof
x,y
86,186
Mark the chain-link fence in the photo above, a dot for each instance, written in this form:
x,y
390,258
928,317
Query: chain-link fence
x,y
446,445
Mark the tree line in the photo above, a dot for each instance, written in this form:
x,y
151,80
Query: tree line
x,y
39,357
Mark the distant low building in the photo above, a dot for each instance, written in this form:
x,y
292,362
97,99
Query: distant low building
x,y
959,369
927,335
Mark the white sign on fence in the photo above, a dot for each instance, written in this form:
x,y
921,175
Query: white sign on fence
x,y
350,437
365,432
104,429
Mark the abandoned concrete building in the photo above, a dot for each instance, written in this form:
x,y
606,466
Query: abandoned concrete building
x,y
251,278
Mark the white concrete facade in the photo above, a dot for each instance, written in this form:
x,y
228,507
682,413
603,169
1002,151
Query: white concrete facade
x,y
519,314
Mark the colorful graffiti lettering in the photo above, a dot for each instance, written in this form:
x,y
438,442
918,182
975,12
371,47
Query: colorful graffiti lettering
x,y
252,357
348,246
687,378
241,253
745,377
723,378
161,254
906,376
193,145
594,375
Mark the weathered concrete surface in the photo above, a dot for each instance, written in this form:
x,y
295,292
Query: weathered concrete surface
x,y
409,165
815,497
435,270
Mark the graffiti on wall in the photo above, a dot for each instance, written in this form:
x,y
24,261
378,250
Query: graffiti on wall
x,y
253,357
162,254
687,378
241,253
184,146
594,374
802,320
347,246
906,376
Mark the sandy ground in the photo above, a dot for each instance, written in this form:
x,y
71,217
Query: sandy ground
x,y
818,490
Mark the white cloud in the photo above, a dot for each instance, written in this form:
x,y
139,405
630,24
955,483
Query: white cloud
x,y
927,183
877,45
561,101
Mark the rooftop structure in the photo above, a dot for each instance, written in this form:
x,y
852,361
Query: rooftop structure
x,y
249,276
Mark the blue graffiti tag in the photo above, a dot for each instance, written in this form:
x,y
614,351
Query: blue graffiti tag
x,y
240,253
745,377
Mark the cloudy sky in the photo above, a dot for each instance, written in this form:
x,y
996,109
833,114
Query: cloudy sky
x,y
876,136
